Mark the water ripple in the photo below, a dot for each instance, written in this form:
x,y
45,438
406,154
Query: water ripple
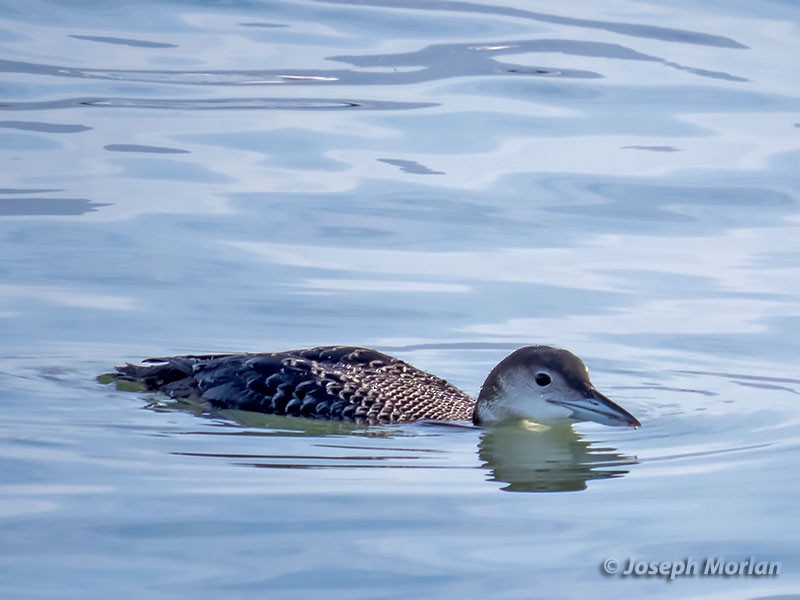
x,y
123,41
430,63
654,32
219,104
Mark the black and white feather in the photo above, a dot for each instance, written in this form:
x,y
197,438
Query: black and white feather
x,y
330,382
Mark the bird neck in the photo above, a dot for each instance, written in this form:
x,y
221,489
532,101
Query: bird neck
x,y
491,402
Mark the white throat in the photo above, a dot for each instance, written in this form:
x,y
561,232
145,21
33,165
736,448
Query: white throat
x,y
518,397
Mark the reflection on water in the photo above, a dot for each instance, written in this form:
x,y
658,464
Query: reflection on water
x,y
525,456
555,459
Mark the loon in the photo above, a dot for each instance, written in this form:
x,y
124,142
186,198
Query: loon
x,y
537,383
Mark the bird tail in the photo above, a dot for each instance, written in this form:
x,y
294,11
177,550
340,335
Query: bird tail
x,y
149,377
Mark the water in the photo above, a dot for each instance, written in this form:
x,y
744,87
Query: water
x,y
445,181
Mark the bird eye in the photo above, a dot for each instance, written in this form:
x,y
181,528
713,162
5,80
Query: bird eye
x,y
543,379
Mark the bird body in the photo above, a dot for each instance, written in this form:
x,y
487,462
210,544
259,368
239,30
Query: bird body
x,y
363,385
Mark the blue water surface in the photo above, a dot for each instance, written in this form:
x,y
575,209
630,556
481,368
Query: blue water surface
x,y
442,180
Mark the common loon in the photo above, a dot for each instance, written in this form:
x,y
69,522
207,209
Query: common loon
x,y
537,383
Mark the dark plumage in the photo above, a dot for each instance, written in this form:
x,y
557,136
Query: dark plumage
x,y
331,382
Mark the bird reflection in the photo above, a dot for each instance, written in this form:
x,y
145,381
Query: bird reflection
x,y
534,458
524,456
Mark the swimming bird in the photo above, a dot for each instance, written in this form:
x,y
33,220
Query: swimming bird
x,y
537,383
